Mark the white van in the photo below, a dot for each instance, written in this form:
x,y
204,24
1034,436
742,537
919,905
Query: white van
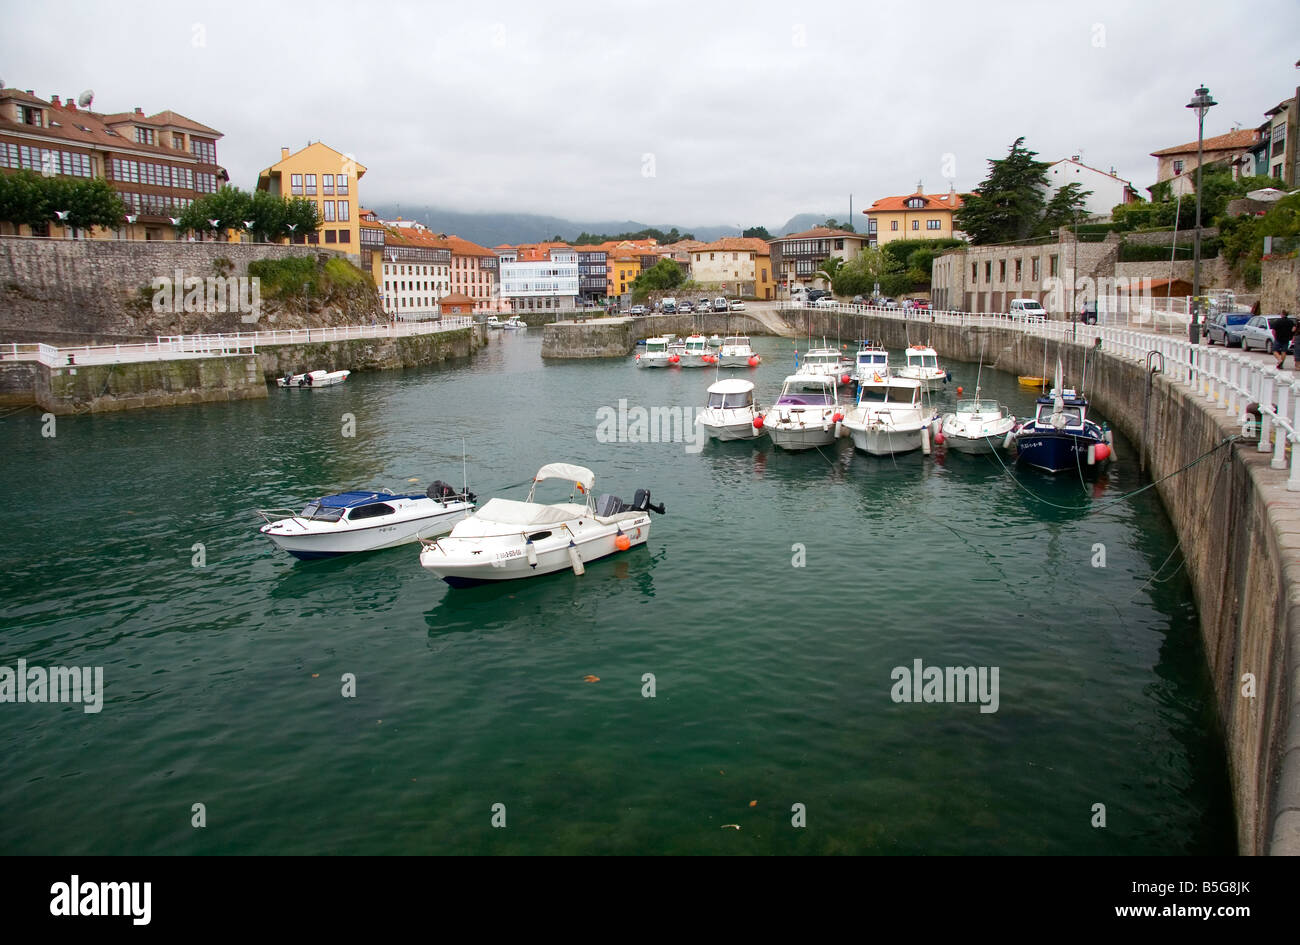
x,y
668,306
1029,308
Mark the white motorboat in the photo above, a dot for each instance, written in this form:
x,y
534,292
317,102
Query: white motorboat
x,y
715,341
348,522
656,354
506,540
923,365
827,362
730,414
514,323
736,352
806,415
493,322
696,352
890,418
870,364
976,426
313,379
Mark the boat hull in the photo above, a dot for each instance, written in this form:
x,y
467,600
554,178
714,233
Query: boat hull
x,y
929,382
735,360
794,437
733,425
469,562
1054,452
331,544
649,362
879,441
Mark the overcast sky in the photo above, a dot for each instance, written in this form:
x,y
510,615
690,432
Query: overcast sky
x,y
689,113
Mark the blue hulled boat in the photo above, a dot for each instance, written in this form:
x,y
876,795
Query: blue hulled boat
x,y
1060,437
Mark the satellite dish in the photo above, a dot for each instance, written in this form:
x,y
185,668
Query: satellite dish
x,y
85,98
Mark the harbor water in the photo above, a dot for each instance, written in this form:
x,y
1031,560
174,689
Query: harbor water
x,y
731,687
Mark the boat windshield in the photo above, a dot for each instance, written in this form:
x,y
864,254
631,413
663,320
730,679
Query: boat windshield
x,y
1073,414
314,513
924,360
732,401
696,344
977,406
735,341
873,358
656,347
805,395
888,394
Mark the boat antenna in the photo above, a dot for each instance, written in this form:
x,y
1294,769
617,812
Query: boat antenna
x,y
980,370
464,471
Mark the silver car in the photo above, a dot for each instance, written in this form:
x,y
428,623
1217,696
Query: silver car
x,y
1257,335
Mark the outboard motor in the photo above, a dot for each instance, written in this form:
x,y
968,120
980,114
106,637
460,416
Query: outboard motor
x,y
439,491
641,502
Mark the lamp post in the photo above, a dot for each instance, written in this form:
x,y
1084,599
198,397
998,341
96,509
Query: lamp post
x,y
130,219
248,227
63,221
1200,103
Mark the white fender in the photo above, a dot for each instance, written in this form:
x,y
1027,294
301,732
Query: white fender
x,y
925,439
532,553
575,559
1092,454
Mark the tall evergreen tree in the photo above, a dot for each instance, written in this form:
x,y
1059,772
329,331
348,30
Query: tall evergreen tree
x,y
1066,205
1010,201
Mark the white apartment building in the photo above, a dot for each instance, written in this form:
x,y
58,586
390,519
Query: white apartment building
x,y
540,285
1108,191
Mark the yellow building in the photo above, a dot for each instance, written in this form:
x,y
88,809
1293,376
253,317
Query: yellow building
x,y
917,216
328,178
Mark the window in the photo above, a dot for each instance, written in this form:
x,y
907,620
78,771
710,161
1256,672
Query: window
x,y
178,142
1033,269
295,184
327,185
310,181
916,203
934,224
343,211
1054,265
327,207
893,225
29,116
1002,270
205,151
916,224
974,272
1017,270
871,227
330,236
345,236
342,183
988,272
1279,140
144,136
1178,167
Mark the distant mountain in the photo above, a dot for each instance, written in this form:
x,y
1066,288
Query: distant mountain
x,y
806,221
493,229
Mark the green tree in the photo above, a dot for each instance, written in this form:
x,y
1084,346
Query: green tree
x,y
268,214
304,214
757,232
833,224
1010,201
665,274
861,274
1065,208
33,199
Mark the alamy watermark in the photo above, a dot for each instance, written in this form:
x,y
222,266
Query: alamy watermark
x,y
637,424
923,683
212,295
84,684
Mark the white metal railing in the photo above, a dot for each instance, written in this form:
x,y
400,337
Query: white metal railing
x,y
171,347
1226,379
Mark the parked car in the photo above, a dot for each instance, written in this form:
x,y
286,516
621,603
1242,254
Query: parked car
x,y
826,301
703,305
1226,328
1031,309
891,303
685,307
859,300
812,295
719,304
921,304
668,306
637,310
1258,334
737,305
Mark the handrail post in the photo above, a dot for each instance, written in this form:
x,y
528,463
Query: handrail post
x,y
1293,481
1279,446
1265,410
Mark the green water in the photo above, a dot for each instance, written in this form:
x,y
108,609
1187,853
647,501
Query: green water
x,y
772,682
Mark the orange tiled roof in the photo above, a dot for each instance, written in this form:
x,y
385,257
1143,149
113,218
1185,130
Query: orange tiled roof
x,y
79,126
1242,138
456,298
949,201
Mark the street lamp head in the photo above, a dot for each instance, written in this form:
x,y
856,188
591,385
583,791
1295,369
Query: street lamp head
x,y
1202,102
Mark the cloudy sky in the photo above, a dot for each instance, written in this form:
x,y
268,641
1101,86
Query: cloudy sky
x,y
690,113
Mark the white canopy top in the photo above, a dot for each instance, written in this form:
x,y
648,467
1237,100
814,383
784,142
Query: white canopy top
x,y
568,472
732,385
511,513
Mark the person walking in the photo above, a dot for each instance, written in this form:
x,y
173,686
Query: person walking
x,y
1283,331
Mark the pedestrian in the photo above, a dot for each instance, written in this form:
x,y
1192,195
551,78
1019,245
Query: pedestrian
x,y
1254,309
1283,331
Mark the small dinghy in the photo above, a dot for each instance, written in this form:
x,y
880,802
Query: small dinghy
x,y
348,522
313,379
506,539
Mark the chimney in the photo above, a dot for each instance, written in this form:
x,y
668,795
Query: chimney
x,y
1074,158
54,100
71,106
284,153
139,111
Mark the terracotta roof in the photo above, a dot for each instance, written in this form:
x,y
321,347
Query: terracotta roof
x,y
732,244
77,126
456,298
1242,138
820,233
949,201
177,120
